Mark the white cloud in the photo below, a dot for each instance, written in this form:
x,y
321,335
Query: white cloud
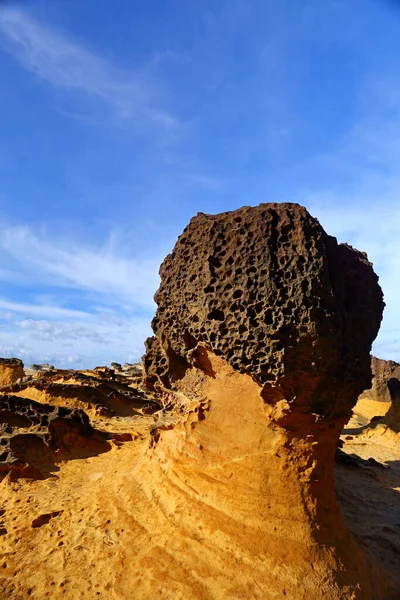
x,y
48,330
39,310
64,64
366,212
114,295
101,269
83,342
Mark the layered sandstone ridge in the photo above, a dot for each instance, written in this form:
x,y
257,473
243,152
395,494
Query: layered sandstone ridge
x,y
261,347
52,416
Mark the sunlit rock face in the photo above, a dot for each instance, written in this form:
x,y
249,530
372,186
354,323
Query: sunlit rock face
x,y
385,388
11,369
262,344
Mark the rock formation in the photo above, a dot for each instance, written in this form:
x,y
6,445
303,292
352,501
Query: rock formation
x,y
97,517
37,368
44,419
11,369
31,431
262,339
385,388
383,371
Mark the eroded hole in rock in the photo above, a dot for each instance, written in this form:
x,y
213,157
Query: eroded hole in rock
x,y
44,519
216,315
214,261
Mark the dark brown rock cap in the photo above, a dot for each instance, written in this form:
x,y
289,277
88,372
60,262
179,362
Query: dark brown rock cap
x,y
266,288
11,362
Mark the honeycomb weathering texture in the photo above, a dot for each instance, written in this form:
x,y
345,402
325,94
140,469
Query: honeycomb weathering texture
x,y
262,339
279,299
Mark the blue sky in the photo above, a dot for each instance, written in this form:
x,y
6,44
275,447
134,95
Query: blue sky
x,y
120,121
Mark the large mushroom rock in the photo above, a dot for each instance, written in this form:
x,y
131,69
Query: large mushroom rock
x,y
386,389
262,344
11,369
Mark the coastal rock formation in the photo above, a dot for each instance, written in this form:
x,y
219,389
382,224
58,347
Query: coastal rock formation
x,y
11,369
31,431
98,392
262,339
386,389
45,418
95,507
39,368
385,374
271,292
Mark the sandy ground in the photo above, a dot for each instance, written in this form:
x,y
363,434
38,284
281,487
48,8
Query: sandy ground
x,y
369,492
89,530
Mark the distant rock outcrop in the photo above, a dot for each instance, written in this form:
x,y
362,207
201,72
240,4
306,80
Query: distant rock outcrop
x,y
128,369
385,374
385,388
98,392
39,368
262,339
11,370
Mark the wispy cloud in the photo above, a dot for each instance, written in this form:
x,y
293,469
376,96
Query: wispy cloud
x,y
65,64
206,182
68,338
40,310
100,270
54,276
48,330
362,207
373,228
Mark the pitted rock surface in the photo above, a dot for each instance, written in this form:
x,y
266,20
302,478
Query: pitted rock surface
x,y
278,298
11,361
24,423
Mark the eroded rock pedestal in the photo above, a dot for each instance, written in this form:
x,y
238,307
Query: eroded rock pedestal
x,y
261,347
